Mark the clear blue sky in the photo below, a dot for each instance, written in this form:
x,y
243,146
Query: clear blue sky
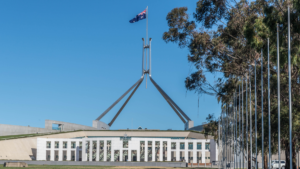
x,y
70,60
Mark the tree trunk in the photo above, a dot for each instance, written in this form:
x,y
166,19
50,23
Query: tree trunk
x,y
265,160
249,159
287,154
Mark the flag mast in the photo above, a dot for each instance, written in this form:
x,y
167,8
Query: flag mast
x,y
147,26
147,43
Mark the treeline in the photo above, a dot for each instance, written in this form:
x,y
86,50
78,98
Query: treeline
x,y
228,36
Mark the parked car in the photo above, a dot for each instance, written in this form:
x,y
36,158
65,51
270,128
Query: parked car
x,y
272,162
280,165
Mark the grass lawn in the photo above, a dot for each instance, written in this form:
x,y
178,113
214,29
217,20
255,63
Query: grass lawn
x,y
90,167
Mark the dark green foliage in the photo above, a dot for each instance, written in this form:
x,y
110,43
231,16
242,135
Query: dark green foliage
x,y
243,28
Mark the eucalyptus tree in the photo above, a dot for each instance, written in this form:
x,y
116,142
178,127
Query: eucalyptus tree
x,y
226,36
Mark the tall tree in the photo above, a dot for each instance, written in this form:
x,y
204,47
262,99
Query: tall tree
x,y
228,39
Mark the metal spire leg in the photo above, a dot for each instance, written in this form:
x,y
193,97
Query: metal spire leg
x,y
172,106
106,111
155,84
112,121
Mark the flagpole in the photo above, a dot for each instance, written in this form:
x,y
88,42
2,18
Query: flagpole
x,y
240,128
147,43
243,150
278,92
250,119
234,126
147,25
247,157
270,154
256,167
290,88
262,110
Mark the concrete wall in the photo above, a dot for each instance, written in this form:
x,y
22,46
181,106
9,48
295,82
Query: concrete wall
x,y
197,128
6,129
188,125
100,125
67,126
213,150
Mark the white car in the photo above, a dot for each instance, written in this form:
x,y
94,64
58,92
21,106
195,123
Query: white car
x,y
276,164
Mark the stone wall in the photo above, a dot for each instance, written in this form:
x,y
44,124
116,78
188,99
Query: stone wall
x,y
67,126
6,129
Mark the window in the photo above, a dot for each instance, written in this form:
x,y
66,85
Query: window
x,y
207,145
142,145
173,145
48,144
125,144
181,146
101,145
94,145
65,144
73,144
150,146
87,147
190,146
56,144
199,146
157,145
80,144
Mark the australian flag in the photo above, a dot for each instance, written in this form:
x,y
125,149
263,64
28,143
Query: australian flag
x,y
138,17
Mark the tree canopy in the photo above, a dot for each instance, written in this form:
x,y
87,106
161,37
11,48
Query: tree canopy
x,y
229,37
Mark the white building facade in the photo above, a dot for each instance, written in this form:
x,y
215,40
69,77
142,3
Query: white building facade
x,y
127,149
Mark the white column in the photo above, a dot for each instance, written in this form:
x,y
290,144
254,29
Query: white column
x,y
153,151
177,150
77,151
203,151
105,150
129,153
52,154
91,150
112,152
138,153
121,154
83,152
69,150
146,151
60,151
186,151
195,152
161,150
169,150
97,151
112,155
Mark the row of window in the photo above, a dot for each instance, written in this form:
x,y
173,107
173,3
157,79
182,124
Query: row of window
x,y
125,145
65,144
190,146
198,158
